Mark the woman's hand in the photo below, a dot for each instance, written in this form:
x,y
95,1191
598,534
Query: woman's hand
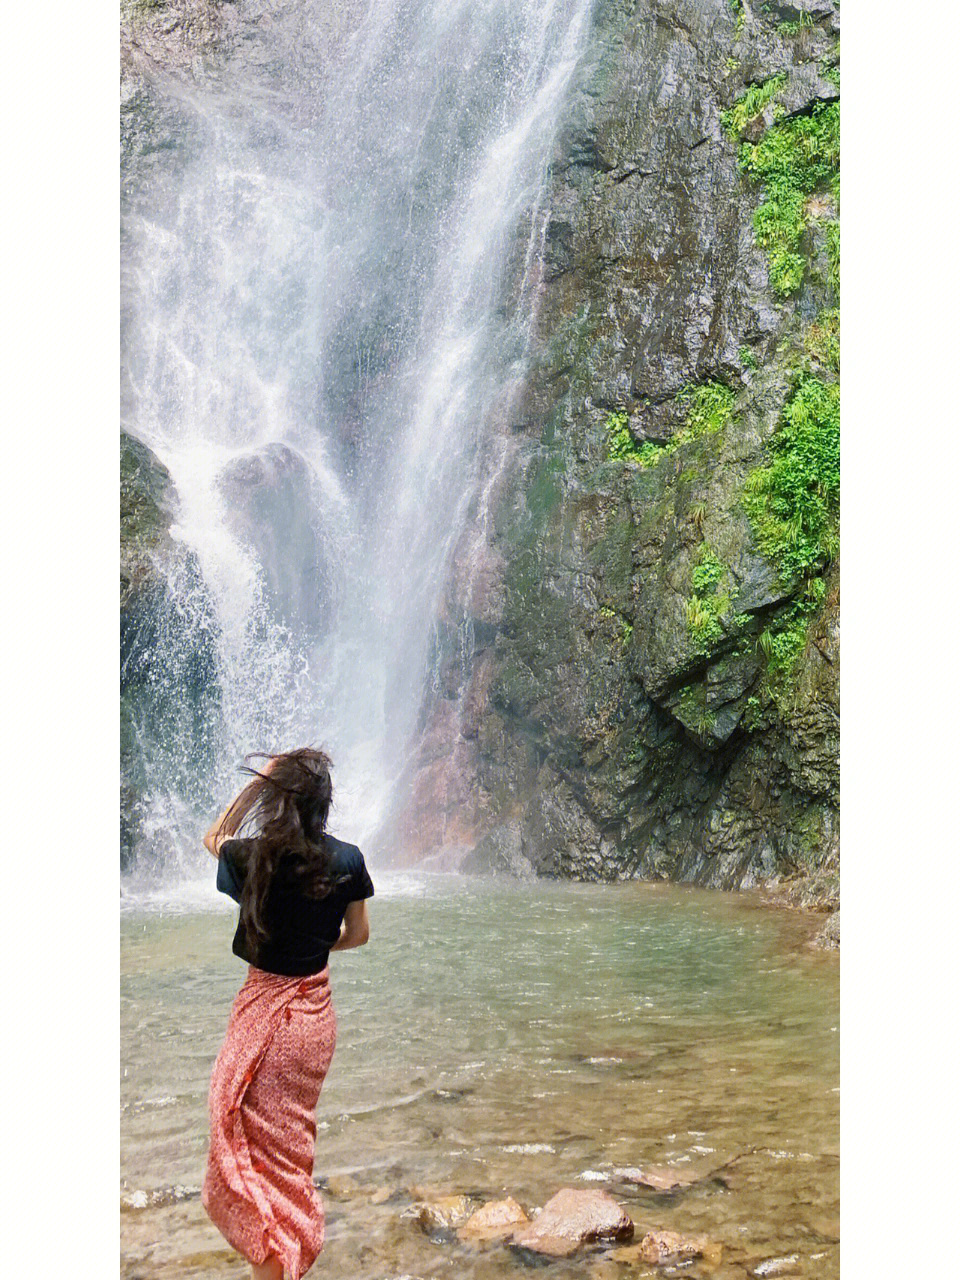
x,y
230,821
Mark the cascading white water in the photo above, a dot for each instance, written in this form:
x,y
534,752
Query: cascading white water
x,y
315,332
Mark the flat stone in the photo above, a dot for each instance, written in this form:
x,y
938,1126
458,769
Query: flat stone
x,y
443,1214
668,1247
494,1220
660,1177
572,1217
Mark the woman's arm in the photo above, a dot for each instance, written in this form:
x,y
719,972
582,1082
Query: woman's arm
x,y
355,930
230,821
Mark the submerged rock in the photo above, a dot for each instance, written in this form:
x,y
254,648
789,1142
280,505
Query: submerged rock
x,y
659,1177
495,1219
573,1217
786,1266
342,1187
666,1248
443,1214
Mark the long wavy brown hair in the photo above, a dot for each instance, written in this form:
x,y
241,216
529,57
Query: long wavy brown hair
x,y
287,805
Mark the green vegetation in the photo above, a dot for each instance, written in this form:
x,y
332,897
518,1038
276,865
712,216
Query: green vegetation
x,y
803,23
747,358
821,342
622,444
693,709
750,105
709,409
793,159
793,507
625,632
707,573
738,11
793,503
830,65
708,603
833,253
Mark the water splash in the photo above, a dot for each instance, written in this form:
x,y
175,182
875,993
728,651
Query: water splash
x,y
329,285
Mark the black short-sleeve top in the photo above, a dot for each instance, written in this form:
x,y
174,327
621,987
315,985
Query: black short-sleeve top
x,y
302,929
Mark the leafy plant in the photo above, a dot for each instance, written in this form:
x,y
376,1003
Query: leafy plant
x,y
708,604
622,444
793,503
821,340
793,508
792,160
803,23
751,104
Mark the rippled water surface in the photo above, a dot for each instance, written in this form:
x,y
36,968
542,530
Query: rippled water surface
x,y
500,1038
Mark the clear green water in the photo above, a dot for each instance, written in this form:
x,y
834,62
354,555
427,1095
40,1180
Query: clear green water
x,y
510,1038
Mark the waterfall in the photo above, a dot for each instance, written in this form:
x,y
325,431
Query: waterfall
x,y
327,287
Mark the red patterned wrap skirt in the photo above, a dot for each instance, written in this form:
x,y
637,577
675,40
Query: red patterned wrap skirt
x,y
258,1188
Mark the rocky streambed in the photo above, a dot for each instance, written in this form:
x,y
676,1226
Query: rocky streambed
x,y
603,1081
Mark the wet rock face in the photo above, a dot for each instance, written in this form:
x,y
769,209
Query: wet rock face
x,y
147,505
168,714
624,725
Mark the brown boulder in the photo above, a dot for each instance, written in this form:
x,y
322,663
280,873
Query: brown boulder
x,y
495,1219
573,1217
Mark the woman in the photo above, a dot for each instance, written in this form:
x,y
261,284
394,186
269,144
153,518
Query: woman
x,y
302,894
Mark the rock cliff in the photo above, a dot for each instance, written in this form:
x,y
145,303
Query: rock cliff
x,y
652,688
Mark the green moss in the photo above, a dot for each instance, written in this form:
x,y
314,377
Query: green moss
x,y
747,358
692,709
569,350
545,488
709,409
750,104
794,159
144,489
